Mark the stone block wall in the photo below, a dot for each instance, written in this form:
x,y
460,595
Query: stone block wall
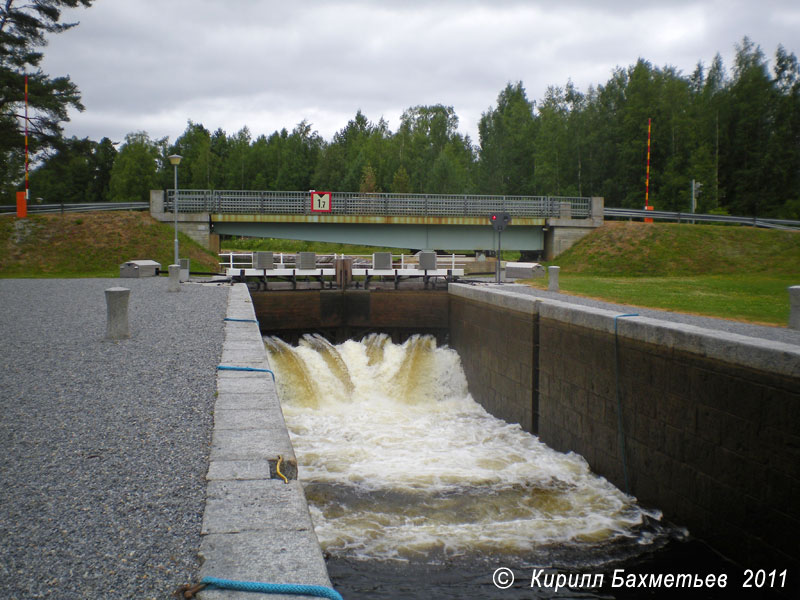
x,y
714,445
710,421
498,347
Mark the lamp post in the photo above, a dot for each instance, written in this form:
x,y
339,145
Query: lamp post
x,y
175,160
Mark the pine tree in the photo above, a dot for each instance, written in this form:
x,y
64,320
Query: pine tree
x,y
23,31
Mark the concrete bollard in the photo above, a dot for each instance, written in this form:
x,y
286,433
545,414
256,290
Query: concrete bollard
x,y
174,278
552,282
794,307
184,269
117,313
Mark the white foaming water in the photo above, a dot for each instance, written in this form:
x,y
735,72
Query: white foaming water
x,y
398,460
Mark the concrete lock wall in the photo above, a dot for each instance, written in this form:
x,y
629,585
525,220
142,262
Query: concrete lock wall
x,y
498,346
345,314
710,420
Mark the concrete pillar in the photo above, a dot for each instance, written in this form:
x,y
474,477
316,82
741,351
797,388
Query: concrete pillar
x,y
174,278
794,307
117,313
598,204
552,282
157,202
184,269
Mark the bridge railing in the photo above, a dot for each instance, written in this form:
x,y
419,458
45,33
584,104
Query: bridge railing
x,y
346,203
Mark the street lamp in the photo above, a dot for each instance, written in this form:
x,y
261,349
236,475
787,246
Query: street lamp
x,y
175,160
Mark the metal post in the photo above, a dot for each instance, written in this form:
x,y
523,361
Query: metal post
x,y
175,160
497,265
175,209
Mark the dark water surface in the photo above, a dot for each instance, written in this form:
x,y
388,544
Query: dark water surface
x,y
468,579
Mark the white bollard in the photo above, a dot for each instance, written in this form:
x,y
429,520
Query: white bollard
x,y
794,307
184,264
174,278
552,275
117,313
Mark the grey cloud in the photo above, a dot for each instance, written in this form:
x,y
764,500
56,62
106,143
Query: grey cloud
x,y
149,64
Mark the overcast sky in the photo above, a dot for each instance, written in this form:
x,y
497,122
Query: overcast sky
x,y
152,65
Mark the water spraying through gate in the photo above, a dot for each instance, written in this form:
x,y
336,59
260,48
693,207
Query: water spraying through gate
x,y
401,466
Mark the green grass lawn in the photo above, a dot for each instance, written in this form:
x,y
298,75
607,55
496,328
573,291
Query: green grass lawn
x,y
92,244
744,297
730,272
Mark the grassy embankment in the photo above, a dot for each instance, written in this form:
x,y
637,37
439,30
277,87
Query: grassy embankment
x,y
731,272
90,244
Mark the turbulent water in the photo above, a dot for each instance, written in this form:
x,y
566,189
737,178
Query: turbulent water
x,y
400,463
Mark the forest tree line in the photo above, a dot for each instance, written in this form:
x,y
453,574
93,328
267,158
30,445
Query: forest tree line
x,y
735,132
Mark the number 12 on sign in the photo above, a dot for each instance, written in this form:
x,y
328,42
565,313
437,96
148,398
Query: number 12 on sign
x,y
321,201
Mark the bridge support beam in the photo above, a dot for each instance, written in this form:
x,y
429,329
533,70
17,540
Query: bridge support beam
x,y
418,237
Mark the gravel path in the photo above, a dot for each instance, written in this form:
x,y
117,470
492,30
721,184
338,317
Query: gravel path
x,y
104,445
775,334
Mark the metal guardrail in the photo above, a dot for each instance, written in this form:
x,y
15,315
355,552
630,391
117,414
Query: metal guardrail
x,y
680,217
54,208
383,204
344,203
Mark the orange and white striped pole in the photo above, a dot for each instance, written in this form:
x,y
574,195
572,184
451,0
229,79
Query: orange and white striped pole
x,y
647,176
27,185
22,197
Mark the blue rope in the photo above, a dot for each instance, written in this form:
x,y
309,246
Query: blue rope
x,y
227,368
241,320
291,589
620,426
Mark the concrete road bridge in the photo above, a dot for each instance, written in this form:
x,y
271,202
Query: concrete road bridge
x,y
421,221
